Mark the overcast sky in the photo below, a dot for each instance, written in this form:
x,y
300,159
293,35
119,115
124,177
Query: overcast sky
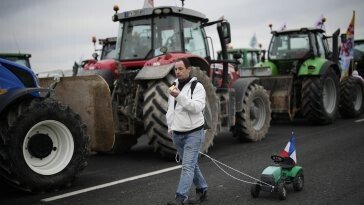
x,y
57,33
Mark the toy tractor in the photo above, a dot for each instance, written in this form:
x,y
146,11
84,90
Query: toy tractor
x,y
43,143
275,178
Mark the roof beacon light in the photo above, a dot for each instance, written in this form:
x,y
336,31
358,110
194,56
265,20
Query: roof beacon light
x,y
166,10
157,11
116,8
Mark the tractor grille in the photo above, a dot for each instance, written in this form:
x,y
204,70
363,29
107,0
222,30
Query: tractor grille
x,y
267,179
285,67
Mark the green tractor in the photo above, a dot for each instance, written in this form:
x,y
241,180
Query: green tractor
x,y
249,56
303,76
276,177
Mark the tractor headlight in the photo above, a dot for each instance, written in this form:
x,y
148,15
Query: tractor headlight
x,y
311,68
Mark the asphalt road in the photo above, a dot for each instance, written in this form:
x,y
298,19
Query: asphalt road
x,y
332,158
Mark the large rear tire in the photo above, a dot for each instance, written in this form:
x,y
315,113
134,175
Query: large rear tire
x,y
253,122
44,147
320,98
351,97
155,109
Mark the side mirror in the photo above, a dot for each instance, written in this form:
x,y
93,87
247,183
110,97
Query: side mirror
x,y
75,69
225,26
343,37
262,54
95,55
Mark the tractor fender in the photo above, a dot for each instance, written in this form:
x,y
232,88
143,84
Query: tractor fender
x,y
330,65
154,72
14,94
240,87
320,66
294,171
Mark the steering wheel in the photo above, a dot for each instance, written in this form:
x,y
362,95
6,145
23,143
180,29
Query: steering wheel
x,y
276,158
171,41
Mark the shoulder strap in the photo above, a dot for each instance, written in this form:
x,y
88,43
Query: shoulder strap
x,y
193,86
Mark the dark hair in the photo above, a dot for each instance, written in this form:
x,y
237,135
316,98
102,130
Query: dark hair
x,y
185,61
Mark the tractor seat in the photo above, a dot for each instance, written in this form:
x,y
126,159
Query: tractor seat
x,y
287,163
284,162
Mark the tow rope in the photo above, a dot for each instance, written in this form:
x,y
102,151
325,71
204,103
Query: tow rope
x,y
218,163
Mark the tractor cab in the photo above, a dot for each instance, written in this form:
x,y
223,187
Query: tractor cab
x,y
152,36
151,32
20,58
289,49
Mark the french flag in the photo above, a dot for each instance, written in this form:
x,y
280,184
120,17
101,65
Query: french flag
x,y
290,149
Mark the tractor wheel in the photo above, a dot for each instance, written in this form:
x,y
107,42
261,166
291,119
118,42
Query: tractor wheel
x,y
320,98
254,190
44,147
282,191
253,122
351,97
155,109
298,182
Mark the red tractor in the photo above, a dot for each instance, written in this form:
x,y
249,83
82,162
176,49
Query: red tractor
x,y
149,41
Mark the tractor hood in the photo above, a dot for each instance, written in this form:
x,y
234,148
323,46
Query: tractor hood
x,y
107,64
159,67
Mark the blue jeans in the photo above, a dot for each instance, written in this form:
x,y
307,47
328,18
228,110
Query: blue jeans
x,y
188,147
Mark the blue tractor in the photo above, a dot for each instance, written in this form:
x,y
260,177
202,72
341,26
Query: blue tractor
x,y
43,143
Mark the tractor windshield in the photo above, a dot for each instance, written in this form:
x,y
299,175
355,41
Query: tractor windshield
x,y
289,46
143,38
108,51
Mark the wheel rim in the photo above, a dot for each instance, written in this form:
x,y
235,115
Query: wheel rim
x,y
300,182
358,97
257,113
284,192
48,147
329,95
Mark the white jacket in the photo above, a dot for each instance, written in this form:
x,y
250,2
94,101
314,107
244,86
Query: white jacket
x,y
187,115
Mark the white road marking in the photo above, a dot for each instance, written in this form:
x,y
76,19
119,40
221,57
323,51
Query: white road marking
x,y
110,184
361,120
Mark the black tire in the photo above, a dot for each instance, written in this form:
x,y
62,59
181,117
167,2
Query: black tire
x,y
320,98
351,97
252,123
298,182
282,191
255,190
44,148
155,109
